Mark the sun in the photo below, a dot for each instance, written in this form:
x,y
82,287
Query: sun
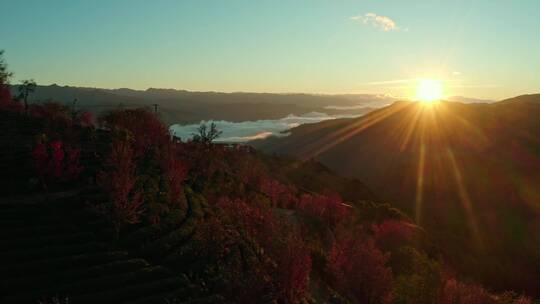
x,y
429,90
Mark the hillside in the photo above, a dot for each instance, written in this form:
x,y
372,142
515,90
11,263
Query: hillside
x,y
179,106
122,214
468,173
112,209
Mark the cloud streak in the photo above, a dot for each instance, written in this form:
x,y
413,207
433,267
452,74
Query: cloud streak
x,y
381,22
249,130
394,81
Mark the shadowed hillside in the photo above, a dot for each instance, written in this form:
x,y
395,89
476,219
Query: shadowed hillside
x,y
469,173
180,106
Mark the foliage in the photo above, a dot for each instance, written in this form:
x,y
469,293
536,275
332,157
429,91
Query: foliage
x,y
25,89
118,180
175,173
456,292
329,209
359,268
282,196
158,172
55,162
392,234
141,126
57,116
4,73
86,119
6,101
294,268
60,120
419,278
284,260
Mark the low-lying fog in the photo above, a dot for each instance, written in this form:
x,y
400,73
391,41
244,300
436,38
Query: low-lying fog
x,y
237,132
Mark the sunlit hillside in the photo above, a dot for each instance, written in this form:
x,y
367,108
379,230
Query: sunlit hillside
x,y
469,173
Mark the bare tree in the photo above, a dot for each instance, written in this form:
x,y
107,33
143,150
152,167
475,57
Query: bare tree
x,y
25,89
206,135
4,73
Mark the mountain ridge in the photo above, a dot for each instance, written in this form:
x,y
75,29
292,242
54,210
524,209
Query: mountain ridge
x,y
181,106
465,171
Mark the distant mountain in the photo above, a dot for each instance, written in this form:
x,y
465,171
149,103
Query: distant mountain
x,y
180,106
463,171
469,100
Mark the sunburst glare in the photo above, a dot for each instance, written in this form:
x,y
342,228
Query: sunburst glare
x,y
429,90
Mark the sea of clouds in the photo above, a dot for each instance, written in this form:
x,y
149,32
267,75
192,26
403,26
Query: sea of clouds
x,y
238,132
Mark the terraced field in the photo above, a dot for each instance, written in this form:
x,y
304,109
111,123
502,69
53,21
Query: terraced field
x,y
16,140
57,248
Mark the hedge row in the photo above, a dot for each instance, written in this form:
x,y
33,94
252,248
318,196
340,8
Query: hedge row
x,y
32,229
112,281
64,263
174,239
49,252
146,234
55,279
131,292
73,237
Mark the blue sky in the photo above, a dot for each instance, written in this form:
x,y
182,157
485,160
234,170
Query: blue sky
x,y
479,48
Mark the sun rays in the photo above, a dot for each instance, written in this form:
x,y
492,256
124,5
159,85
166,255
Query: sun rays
x,y
423,139
429,90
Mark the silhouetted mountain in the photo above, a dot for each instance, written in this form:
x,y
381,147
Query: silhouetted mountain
x,y
469,173
180,106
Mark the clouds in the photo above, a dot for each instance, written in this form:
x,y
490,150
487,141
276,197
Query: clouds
x,y
250,130
393,81
381,22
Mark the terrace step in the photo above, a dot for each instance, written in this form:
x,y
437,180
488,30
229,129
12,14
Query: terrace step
x,y
30,282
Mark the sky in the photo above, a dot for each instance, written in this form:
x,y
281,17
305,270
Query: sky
x,y
479,48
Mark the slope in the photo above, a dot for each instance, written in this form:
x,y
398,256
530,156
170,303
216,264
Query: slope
x,y
469,173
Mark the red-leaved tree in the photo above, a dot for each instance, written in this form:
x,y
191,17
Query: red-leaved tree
x,y
86,119
329,209
391,234
294,268
144,127
175,172
282,196
358,268
280,242
118,180
56,163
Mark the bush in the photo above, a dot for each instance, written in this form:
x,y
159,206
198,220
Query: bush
x,y
164,244
118,180
419,280
147,233
6,102
456,292
392,234
329,209
56,162
280,195
359,268
294,268
142,126
175,173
